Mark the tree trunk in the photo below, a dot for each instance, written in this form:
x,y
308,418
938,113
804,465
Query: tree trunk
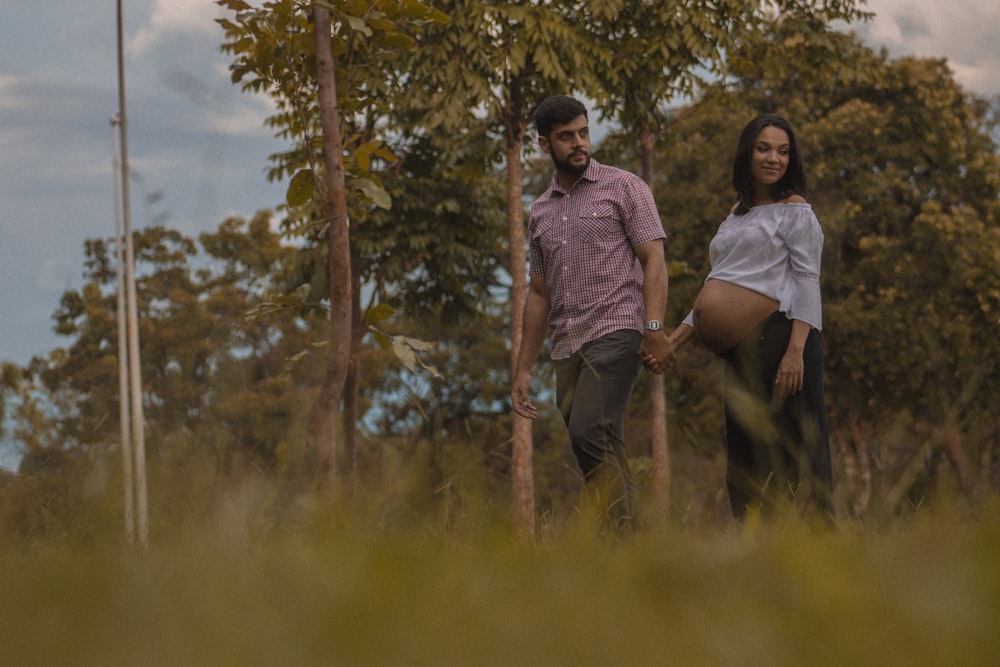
x,y
352,387
334,193
658,442
522,475
951,443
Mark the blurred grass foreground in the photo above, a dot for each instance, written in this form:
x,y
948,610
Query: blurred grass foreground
x,y
923,592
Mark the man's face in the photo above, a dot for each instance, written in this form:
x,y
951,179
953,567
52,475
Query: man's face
x,y
569,146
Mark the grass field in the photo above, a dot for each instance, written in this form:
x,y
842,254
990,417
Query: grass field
x,y
776,593
927,593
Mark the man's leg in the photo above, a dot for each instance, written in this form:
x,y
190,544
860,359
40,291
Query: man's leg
x,y
593,390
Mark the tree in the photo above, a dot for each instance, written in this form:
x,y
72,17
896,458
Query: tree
x,y
334,197
327,77
209,368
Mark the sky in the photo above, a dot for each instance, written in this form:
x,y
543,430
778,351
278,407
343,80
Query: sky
x,y
197,145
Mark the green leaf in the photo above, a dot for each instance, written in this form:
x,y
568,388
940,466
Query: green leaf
x,y
381,339
438,16
404,353
359,25
383,24
375,192
400,40
380,312
301,188
356,7
417,344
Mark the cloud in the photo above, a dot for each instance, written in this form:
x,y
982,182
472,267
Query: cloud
x,y
963,31
10,97
174,17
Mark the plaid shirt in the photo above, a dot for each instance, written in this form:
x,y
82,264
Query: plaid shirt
x,y
582,243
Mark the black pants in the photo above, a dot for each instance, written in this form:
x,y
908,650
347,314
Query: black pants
x,y
776,447
593,388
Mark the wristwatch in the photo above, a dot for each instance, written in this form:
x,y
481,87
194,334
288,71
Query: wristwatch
x,y
654,325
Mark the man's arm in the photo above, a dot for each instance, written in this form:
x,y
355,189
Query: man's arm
x,y
656,350
534,331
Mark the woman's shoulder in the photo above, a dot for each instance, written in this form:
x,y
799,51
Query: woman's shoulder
x,y
795,199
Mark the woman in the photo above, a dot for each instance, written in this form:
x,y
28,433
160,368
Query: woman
x,y
760,310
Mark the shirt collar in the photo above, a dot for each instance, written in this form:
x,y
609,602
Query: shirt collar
x,y
592,174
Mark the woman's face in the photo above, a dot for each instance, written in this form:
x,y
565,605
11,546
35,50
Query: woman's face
x,y
769,158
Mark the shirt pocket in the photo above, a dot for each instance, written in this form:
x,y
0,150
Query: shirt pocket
x,y
598,223
542,234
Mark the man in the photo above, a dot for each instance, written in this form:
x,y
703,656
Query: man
x,y
598,287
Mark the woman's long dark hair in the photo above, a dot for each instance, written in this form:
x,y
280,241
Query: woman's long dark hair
x,y
792,183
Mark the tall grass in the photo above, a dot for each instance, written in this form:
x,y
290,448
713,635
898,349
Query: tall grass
x,y
326,587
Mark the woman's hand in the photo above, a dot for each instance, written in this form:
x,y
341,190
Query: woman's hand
x,y
791,372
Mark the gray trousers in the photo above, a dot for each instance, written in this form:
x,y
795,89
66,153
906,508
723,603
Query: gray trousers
x,y
593,388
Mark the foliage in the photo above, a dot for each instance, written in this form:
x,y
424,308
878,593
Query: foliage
x,y
396,253
274,52
205,369
440,245
495,61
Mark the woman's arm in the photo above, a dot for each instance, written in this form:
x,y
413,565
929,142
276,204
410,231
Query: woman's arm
x,y
678,338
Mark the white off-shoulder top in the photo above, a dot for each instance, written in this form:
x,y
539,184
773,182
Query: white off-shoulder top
x,y
776,250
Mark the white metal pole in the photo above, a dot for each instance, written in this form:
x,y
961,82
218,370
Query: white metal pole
x,y
123,397
135,380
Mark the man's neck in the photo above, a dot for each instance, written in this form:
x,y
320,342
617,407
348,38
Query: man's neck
x,y
567,180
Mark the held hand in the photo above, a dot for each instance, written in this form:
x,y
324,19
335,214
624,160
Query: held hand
x,y
790,374
657,352
520,399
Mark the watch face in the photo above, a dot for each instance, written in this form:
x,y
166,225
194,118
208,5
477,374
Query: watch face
x,y
653,325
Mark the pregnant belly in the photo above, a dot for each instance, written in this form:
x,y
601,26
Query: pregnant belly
x,y
724,313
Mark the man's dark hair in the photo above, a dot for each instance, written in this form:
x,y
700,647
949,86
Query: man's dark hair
x,y
557,110
792,183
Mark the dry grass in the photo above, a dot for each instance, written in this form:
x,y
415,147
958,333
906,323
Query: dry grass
x,y
780,593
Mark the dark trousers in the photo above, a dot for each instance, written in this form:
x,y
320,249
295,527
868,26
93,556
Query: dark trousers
x,y
593,388
775,446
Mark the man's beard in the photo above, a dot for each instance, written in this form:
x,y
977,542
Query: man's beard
x,y
568,167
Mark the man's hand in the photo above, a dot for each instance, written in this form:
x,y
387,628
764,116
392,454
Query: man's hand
x,y
657,351
520,397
